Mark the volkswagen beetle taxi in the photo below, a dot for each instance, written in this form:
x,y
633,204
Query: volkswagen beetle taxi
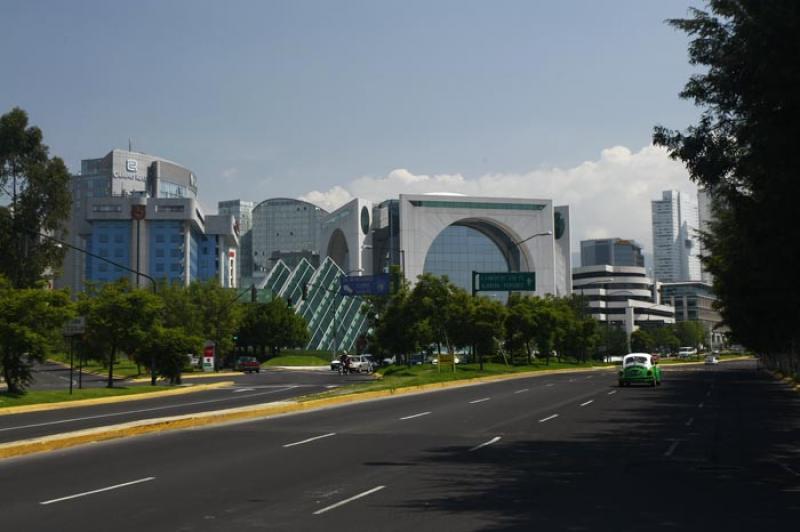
x,y
639,368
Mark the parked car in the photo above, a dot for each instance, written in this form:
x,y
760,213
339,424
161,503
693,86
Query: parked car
x,y
456,358
361,364
639,368
247,365
388,361
687,352
712,359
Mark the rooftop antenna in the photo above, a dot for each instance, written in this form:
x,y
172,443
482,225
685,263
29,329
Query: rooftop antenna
x,y
130,144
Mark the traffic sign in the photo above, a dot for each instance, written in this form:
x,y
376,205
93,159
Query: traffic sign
x,y
365,285
75,327
503,281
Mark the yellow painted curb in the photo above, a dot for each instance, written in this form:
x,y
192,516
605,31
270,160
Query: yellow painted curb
x,y
41,407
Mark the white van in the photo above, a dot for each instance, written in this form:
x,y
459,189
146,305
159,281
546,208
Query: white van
x,y
687,352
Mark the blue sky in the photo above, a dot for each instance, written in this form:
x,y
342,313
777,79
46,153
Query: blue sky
x,y
267,99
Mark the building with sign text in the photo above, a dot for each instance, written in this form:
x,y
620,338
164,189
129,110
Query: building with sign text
x,y
141,211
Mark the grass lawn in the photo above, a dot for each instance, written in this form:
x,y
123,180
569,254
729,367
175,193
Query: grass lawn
x,y
400,376
57,396
123,367
299,360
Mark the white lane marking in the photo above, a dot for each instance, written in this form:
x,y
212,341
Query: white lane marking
x,y
522,390
590,401
672,448
240,390
332,386
309,440
139,411
550,384
109,488
479,400
548,418
484,444
412,416
689,423
701,405
612,392
589,377
572,380
351,499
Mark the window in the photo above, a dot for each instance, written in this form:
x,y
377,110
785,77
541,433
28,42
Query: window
x,y
159,266
102,238
160,239
175,267
176,239
160,252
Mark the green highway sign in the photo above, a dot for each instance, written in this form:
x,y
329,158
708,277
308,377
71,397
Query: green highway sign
x,y
503,281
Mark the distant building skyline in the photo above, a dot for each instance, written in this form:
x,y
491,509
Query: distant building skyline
x,y
676,245
611,251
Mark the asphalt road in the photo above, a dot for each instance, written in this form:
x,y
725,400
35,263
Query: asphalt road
x,y
253,388
714,448
53,376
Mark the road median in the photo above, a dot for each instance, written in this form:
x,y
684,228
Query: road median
x,y
41,407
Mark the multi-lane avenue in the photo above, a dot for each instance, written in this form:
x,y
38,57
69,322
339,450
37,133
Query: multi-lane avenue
x,y
714,448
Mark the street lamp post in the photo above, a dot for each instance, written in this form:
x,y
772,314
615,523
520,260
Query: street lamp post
x,y
116,265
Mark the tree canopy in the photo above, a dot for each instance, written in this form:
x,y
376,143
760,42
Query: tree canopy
x,y
37,186
741,152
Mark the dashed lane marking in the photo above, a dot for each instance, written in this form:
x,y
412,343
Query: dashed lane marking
x,y
548,418
486,443
85,493
612,392
479,400
309,440
412,416
351,499
590,401
689,422
522,390
672,448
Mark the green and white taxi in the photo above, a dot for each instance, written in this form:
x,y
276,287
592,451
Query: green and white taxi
x,y
639,368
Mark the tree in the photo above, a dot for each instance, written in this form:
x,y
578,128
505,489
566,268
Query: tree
x,y
642,341
689,333
30,323
38,187
272,325
429,302
741,150
218,314
487,326
664,339
169,347
119,319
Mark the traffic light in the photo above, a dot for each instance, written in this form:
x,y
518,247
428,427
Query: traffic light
x,y
305,291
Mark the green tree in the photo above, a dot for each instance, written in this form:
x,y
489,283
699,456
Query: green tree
x,y
272,325
487,326
664,339
169,346
219,315
30,323
38,187
429,301
118,320
689,333
642,341
741,151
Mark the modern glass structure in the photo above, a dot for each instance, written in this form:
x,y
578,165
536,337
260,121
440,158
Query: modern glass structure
x,y
694,301
460,250
611,251
334,321
285,229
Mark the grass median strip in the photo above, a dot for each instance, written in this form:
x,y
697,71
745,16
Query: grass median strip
x,y
37,401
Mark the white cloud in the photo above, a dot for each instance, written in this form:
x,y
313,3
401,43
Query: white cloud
x,y
607,197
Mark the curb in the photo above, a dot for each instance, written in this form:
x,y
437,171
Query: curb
x,y
42,407
191,376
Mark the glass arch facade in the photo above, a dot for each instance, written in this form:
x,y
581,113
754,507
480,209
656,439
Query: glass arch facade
x,y
459,250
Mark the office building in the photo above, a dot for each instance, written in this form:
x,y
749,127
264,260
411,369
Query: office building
x,y
694,301
141,211
611,251
676,245
242,212
622,296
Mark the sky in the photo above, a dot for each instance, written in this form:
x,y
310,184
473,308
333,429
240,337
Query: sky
x,y
329,100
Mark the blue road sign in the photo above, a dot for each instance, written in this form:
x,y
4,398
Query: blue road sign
x,y
365,285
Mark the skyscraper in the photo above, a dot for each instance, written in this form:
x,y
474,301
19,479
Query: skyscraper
x,y
242,212
705,217
676,246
